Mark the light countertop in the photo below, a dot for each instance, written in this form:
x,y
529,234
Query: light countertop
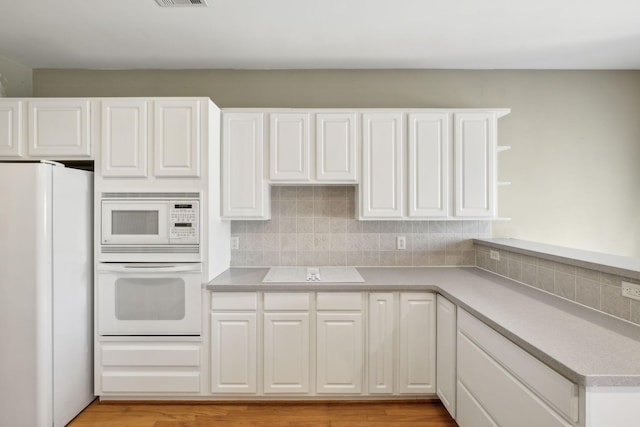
x,y
586,346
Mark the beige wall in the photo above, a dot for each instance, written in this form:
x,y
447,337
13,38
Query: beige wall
x,y
575,135
18,76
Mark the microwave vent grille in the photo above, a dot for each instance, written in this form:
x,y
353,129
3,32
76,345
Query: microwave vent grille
x,y
150,195
150,250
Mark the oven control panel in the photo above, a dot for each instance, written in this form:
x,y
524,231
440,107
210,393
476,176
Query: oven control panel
x,y
183,222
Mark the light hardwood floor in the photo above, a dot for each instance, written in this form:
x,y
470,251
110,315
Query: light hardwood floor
x,y
271,414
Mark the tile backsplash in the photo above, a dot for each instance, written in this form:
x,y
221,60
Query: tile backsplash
x,y
317,225
592,288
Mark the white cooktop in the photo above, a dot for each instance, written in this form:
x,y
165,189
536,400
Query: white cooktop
x,y
313,274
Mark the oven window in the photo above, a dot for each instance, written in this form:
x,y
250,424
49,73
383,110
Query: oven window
x,y
150,298
134,222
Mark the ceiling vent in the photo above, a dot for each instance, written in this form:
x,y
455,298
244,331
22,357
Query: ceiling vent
x,y
182,3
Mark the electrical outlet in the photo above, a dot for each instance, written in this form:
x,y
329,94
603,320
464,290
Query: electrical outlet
x,y
630,290
401,243
494,255
235,243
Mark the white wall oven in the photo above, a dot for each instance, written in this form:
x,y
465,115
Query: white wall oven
x,y
149,274
150,227
143,299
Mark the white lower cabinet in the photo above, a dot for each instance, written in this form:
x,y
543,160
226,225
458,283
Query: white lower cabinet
x,y
286,332
339,343
446,353
234,356
130,368
382,343
417,328
322,344
500,384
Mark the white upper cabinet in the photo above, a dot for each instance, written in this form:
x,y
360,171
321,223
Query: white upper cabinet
x,y
177,138
289,146
300,155
336,147
11,129
124,138
428,164
151,138
475,174
51,128
245,192
381,192
59,128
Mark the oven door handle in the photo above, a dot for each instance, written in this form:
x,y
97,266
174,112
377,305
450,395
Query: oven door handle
x,y
156,268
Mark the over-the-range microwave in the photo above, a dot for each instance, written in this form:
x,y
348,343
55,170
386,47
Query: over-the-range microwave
x,y
150,227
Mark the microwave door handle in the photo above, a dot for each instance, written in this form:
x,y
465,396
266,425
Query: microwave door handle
x,y
151,268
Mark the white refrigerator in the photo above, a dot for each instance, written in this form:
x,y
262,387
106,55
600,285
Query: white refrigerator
x,y
46,293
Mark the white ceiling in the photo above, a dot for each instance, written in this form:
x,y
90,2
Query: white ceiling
x,y
266,34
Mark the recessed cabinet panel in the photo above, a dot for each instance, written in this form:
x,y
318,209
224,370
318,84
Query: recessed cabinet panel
x,y
124,138
59,128
244,190
11,133
336,147
381,194
286,352
381,342
339,357
475,178
428,161
177,138
233,353
417,337
289,146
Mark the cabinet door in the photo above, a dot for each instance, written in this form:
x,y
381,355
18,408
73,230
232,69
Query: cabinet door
x,y
59,128
339,352
286,352
417,373
381,192
336,147
177,138
381,343
11,135
475,175
289,147
233,353
428,160
244,189
124,138
446,353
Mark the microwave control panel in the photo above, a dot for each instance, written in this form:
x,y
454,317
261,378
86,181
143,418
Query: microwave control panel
x,y
183,222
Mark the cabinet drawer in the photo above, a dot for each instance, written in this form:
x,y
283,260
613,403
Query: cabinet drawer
x,y
554,389
150,355
151,382
234,301
286,301
339,301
